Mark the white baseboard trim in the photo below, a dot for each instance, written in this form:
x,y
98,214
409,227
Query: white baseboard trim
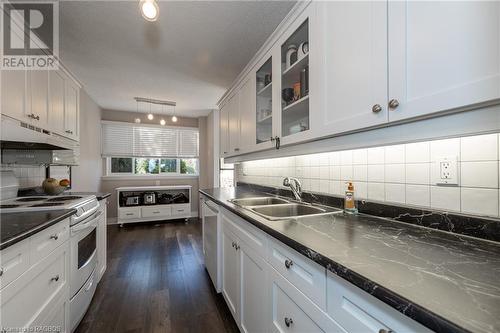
x,y
114,220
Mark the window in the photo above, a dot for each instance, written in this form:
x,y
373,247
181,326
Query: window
x,y
121,165
139,166
149,150
168,165
189,166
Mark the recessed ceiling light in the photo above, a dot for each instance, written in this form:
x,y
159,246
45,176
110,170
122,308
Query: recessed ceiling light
x,y
162,122
150,116
149,10
137,120
174,119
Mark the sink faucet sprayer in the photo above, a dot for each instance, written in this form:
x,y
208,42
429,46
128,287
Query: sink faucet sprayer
x,y
295,186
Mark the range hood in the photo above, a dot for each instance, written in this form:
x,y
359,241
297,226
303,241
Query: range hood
x,y
19,135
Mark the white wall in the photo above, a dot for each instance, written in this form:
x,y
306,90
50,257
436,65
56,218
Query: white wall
x,y
87,175
402,174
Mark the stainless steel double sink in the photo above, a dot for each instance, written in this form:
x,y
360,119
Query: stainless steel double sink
x,y
274,208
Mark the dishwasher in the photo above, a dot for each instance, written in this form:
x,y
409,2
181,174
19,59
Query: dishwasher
x,y
211,242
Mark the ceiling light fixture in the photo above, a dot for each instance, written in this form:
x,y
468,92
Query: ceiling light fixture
x,y
137,120
149,10
162,122
174,118
150,116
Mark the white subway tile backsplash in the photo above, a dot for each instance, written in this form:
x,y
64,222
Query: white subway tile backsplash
x,y
361,190
479,201
376,173
444,148
360,173
418,173
479,174
376,155
418,195
395,154
335,172
479,148
359,156
376,191
346,172
395,193
399,174
346,157
445,197
395,173
417,152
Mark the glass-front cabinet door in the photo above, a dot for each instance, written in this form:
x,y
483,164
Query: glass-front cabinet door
x,y
264,103
295,116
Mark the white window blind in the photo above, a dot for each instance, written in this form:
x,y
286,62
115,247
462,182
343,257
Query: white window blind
x,y
133,140
188,143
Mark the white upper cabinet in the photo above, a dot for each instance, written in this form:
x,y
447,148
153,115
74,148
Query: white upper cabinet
x,y
224,131
353,48
295,73
246,101
234,124
56,102
264,116
71,110
13,97
38,108
442,55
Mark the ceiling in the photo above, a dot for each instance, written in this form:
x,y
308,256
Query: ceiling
x,y
190,55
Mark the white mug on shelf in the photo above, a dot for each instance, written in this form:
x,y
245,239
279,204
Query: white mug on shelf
x,y
303,50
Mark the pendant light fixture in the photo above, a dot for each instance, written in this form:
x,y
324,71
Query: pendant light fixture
x,y
149,10
137,120
162,121
150,115
174,118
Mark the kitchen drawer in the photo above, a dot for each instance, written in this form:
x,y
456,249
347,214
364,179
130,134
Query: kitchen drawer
x,y
47,240
23,301
303,273
55,314
156,211
14,261
129,213
252,236
181,209
293,312
358,311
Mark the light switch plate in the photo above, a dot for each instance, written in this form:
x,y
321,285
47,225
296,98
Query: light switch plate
x,y
447,170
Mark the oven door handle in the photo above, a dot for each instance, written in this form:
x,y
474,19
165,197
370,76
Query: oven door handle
x,y
91,223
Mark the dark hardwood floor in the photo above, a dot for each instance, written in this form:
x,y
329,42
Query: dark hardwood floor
x,y
156,282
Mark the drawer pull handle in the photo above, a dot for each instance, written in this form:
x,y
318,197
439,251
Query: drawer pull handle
x,y
1,271
54,237
55,278
233,244
288,263
156,212
383,330
129,214
288,321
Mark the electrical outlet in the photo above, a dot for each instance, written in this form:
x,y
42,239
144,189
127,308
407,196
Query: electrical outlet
x,y
448,170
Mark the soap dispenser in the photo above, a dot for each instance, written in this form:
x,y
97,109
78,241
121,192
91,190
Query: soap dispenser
x,y
349,201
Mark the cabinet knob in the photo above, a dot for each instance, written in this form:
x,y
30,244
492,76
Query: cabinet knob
x,y
393,103
383,330
55,278
236,149
288,321
288,263
233,244
376,108
237,247
54,237
1,271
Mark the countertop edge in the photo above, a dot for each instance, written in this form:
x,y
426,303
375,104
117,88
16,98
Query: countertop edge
x,y
37,229
414,311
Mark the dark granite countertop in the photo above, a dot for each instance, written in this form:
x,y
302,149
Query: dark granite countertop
x,y
99,195
14,227
447,282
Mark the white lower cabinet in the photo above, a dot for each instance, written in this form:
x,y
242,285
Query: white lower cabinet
x,y
292,311
243,281
270,287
